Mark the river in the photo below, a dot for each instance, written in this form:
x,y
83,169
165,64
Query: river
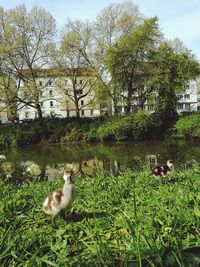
x,y
107,158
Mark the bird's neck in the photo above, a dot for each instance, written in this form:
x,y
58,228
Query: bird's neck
x,y
67,186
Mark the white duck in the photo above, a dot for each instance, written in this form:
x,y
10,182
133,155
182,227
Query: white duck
x,y
60,200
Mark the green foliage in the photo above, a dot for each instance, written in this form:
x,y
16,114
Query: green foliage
x,y
172,71
127,61
188,126
134,126
115,221
2,140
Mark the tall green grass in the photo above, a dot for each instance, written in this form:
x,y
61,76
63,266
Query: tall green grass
x,y
128,220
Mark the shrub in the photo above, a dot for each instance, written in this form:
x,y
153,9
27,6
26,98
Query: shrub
x,y
134,126
188,126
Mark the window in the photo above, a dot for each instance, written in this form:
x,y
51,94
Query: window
x,y
180,106
82,112
103,106
150,108
92,112
50,83
50,92
26,115
51,103
40,83
180,96
187,106
82,102
81,81
187,96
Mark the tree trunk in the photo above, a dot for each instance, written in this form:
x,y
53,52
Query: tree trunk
x,y
129,97
115,106
77,109
39,111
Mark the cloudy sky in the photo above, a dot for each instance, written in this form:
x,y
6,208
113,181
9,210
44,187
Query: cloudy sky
x,y
178,18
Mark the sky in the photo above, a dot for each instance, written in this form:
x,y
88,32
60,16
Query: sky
x,y
177,18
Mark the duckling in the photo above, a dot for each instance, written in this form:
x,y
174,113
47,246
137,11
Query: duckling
x,y
60,200
163,170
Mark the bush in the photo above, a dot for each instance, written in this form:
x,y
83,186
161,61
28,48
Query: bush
x,y
134,126
188,126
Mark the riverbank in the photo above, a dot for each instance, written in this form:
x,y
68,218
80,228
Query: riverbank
x,y
136,126
115,221
188,126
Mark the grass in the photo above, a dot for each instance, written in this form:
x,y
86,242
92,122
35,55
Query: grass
x,y
128,220
188,126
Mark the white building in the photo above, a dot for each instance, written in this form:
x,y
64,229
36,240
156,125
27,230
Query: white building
x,y
198,94
54,101
188,100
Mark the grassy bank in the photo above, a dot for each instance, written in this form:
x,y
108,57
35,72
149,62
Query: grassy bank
x,y
135,126
188,126
128,220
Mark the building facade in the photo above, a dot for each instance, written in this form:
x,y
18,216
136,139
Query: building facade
x,y
188,101
198,94
61,94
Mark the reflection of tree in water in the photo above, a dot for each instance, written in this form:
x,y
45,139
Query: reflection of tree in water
x,y
175,150
182,153
92,159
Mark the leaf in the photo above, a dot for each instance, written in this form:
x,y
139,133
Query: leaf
x,y
50,263
197,211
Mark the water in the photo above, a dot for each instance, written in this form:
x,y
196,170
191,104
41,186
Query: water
x,y
47,161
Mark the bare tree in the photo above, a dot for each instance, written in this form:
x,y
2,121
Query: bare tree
x,y
27,39
73,55
90,42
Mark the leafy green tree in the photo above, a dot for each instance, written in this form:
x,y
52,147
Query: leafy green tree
x,y
93,40
112,22
129,60
172,70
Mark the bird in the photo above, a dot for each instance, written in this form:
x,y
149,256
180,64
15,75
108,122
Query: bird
x,y
60,200
163,170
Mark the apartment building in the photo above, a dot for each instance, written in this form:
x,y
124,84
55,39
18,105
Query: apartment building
x,y
188,100
62,93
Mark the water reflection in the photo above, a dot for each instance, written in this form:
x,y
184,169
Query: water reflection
x,y
48,162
